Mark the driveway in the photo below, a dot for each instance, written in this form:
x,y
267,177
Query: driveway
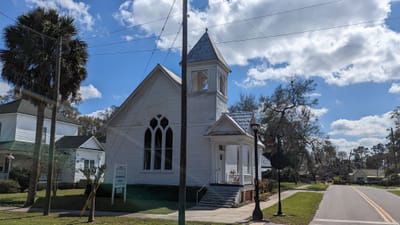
x,y
357,205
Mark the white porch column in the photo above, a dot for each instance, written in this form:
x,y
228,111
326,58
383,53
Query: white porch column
x,y
241,178
213,163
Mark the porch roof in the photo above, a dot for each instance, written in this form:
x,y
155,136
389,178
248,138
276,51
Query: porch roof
x,y
233,126
232,123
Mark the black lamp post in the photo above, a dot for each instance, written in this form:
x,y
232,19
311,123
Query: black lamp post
x,y
279,146
257,213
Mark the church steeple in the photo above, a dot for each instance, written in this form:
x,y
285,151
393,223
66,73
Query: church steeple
x,y
206,50
207,81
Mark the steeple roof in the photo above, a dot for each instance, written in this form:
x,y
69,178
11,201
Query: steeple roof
x,y
205,50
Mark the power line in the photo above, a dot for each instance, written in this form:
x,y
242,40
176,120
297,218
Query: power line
x,y
173,43
159,36
231,22
277,13
153,21
126,52
27,27
280,35
306,31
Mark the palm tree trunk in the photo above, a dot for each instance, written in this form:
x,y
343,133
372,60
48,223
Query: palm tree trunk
x,y
35,171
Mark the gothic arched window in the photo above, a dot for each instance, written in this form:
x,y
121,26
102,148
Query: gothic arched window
x,y
158,145
168,149
147,150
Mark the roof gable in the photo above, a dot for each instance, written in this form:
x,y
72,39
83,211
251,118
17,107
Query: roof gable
x,y
84,142
175,79
205,50
225,125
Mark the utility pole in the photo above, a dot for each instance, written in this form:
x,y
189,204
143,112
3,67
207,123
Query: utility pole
x,y
50,167
182,166
394,150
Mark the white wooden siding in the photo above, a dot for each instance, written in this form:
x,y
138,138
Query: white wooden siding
x,y
8,125
26,128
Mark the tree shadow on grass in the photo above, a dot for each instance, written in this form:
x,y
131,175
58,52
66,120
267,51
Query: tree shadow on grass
x,y
132,205
18,217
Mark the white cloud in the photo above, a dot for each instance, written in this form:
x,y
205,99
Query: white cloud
x,y
319,112
368,126
345,145
100,113
250,83
89,92
366,131
78,10
395,88
127,37
4,87
353,54
314,95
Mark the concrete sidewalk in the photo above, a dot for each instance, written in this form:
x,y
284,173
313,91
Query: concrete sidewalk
x,y
220,215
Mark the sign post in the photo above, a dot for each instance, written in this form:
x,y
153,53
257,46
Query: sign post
x,y
119,181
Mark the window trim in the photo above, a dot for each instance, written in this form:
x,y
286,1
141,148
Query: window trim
x,y
194,72
163,146
223,76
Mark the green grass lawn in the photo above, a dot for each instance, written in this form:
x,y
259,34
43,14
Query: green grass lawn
x,y
290,185
382,186
73,199
20,218
318,187
397,192
298,208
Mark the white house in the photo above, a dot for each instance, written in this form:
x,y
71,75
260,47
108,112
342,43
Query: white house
x,y
83,152
144,133
17,133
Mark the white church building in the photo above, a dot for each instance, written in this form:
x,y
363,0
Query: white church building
x,y
144,134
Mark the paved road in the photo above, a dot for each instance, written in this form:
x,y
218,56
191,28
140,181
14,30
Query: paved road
x,y
356,205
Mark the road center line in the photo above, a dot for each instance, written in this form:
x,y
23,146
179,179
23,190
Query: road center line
x,y
385,215
353,221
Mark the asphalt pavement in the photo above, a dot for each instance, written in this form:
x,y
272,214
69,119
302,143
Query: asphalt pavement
x,y
357,205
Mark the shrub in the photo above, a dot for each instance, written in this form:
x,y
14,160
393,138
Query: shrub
x,y
338,180
264,185
20,175
9,186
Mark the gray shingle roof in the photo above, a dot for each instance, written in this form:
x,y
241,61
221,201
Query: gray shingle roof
x,y
72,141
243,119
25,107
205,50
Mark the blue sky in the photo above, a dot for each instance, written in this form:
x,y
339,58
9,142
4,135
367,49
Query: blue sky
x,y
354,66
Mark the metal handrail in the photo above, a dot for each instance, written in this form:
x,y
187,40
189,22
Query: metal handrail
x,y
197,193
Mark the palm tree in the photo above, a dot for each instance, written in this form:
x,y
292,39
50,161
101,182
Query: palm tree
x,y
29,60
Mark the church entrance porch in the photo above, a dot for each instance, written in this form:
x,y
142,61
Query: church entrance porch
x,y
233,163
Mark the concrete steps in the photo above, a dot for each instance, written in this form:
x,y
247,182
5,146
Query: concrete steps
x,y
220,196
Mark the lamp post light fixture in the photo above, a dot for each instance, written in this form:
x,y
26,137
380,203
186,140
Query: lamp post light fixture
x,y
257,213
279,146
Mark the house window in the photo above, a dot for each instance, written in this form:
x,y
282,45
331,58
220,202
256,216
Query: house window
x,y
158,145
88,164
44,135
222,84
199,80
